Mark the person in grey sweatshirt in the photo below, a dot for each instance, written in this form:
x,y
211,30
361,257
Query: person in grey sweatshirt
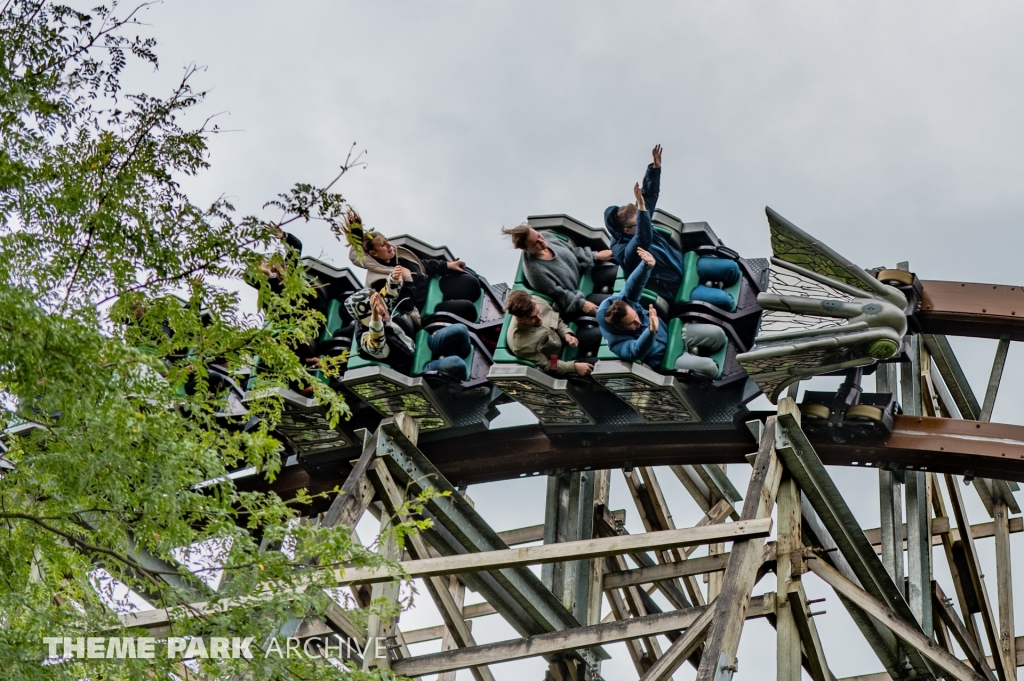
x,y
554,268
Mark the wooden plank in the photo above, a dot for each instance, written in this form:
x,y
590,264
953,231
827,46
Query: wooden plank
x,y
357,492
384,624
819,670
994,378
649,575
569,639
682,647
971,647
905,631
940,526
489,560
788,657
439,588
620,611
1004,586
576,550
974,568
741,573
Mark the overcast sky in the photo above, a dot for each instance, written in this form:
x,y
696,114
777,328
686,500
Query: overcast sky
x,y
892,131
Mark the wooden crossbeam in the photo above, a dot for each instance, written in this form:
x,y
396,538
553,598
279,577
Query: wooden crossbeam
x,y
692,566
575,550
570,639
491,560
905,631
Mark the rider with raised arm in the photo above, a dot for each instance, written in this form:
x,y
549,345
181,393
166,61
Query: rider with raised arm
x,y
385,340
635,334
630,227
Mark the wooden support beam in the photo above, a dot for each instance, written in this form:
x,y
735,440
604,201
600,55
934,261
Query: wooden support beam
x,y
650,504
789,544
649,575
383,620
971,647
588,548
994,378
952,375
893,530
620,612
919,549
683,647
974,573
906,631
804,620
1004,586
491,560
356,493
637,607
570,639
438,587
730,607
940,527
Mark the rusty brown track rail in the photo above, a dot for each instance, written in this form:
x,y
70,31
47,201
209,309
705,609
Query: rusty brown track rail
x,y
957,308
990,450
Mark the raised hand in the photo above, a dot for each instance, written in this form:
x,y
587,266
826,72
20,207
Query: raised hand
x,y
640,205
571,340
656,153
582,368
375,305
645,256
653,323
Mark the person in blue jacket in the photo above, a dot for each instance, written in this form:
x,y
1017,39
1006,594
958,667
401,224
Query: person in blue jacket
x,y
630,228
635,334
632,332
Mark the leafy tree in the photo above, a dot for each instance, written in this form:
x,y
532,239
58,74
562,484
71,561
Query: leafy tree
x,y
117,293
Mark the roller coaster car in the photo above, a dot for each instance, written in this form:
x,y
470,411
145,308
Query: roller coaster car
x,y
823,314
303,427
829,414
638,386
555,401
432,398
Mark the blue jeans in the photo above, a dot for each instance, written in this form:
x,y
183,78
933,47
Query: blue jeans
x,y
710,268
449,344
714,296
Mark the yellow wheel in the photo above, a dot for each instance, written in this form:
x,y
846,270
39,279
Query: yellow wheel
x,y
863,412
896,277
814,411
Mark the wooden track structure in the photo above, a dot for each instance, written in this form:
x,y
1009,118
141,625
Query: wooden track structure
x,y
883,576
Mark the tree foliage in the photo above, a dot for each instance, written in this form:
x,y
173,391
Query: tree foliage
x,y
117,293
